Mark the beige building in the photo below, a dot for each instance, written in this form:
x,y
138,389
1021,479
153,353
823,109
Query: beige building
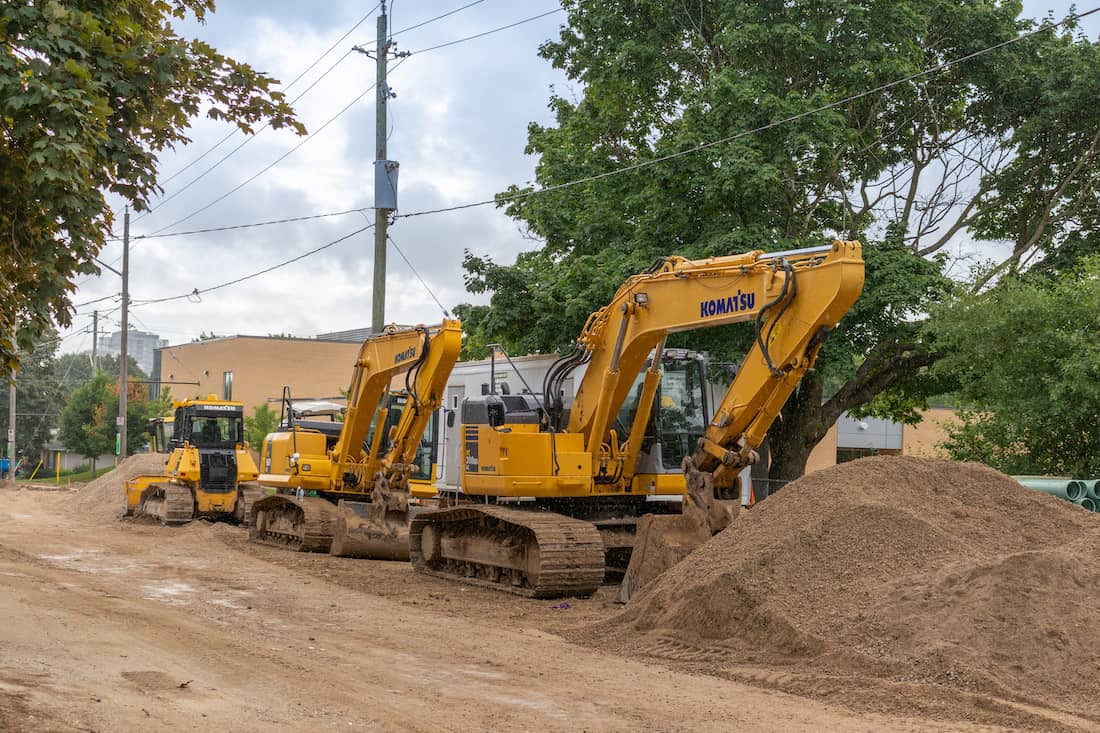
x,y
849,439
254,369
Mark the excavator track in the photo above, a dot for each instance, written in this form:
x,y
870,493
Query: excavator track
x,y
168,503
530,553
306,525
248,495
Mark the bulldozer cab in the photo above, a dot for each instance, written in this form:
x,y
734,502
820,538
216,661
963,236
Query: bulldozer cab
x,y
208,426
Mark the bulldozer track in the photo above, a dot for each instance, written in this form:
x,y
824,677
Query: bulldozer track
x,y
305,526
538,554
169,503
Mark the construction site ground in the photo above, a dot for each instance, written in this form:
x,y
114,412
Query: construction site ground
x,y
112,625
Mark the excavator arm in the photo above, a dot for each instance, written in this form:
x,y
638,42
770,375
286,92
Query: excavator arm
x,y
425,357
794,298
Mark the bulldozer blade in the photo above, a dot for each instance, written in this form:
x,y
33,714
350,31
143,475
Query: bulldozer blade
x,y
661,542
361,533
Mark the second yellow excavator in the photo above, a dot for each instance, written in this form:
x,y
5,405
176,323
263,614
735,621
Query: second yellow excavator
x,y
344,487
544,482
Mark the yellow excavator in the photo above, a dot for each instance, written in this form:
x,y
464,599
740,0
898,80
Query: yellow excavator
x,y
207,470
344,487
545,482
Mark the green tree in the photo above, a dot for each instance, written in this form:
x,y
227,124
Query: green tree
x,y
1025,356
38,398
264,420
75,369
1002,147
90,93
86,426
88,420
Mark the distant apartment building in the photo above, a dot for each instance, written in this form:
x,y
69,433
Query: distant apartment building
x,y
139,344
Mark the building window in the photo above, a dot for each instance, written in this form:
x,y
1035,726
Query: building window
x,y
843,455
228,376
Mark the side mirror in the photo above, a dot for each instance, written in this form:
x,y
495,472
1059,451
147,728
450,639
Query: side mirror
x,y
450,418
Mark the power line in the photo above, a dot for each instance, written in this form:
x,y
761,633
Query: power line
x,y
272,222
244,142
316,81
762,128
414,272
288,86
97,300
438,17
488,32
341,112
197,292
274,163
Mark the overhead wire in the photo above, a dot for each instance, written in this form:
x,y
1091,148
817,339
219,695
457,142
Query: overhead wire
x,y
98,300
417,274
275,162
292,101
296,79
197,292
488,32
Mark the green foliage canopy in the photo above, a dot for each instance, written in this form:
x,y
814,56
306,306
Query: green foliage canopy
x,y
38,399
90,93
1003,146
1026,357
264,420
88,419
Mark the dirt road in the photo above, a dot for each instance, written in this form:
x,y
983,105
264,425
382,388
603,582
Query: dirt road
x,y
121,626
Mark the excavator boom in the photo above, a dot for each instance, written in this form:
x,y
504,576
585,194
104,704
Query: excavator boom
x,y
365,475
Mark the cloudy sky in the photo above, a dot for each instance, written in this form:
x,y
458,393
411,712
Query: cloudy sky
x,y
457,126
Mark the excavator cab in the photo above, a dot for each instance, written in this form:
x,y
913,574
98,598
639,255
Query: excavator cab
x,y
160,434
681,409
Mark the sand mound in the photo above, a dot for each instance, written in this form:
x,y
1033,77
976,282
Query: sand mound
x,y
899,568
104,497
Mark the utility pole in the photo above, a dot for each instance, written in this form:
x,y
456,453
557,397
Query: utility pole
x,y
11,418
385,171
123,358
381,216
95,338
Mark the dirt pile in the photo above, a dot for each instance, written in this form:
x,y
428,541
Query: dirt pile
x,y
901,569
104,497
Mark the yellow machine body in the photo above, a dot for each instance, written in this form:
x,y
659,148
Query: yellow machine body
x,y
796,299
207,458
350,487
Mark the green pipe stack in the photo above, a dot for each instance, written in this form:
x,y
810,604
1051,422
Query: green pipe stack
x,y
1084,493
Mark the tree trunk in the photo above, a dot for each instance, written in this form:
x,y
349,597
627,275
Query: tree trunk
x,y
801,426
807,417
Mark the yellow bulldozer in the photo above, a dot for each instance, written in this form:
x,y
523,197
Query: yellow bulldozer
x,y
208,469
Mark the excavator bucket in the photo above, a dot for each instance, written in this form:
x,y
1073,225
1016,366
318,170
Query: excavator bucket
x,y
365,530
662,541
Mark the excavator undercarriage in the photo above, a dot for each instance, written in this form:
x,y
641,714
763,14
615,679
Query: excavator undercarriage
x,y
526,552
